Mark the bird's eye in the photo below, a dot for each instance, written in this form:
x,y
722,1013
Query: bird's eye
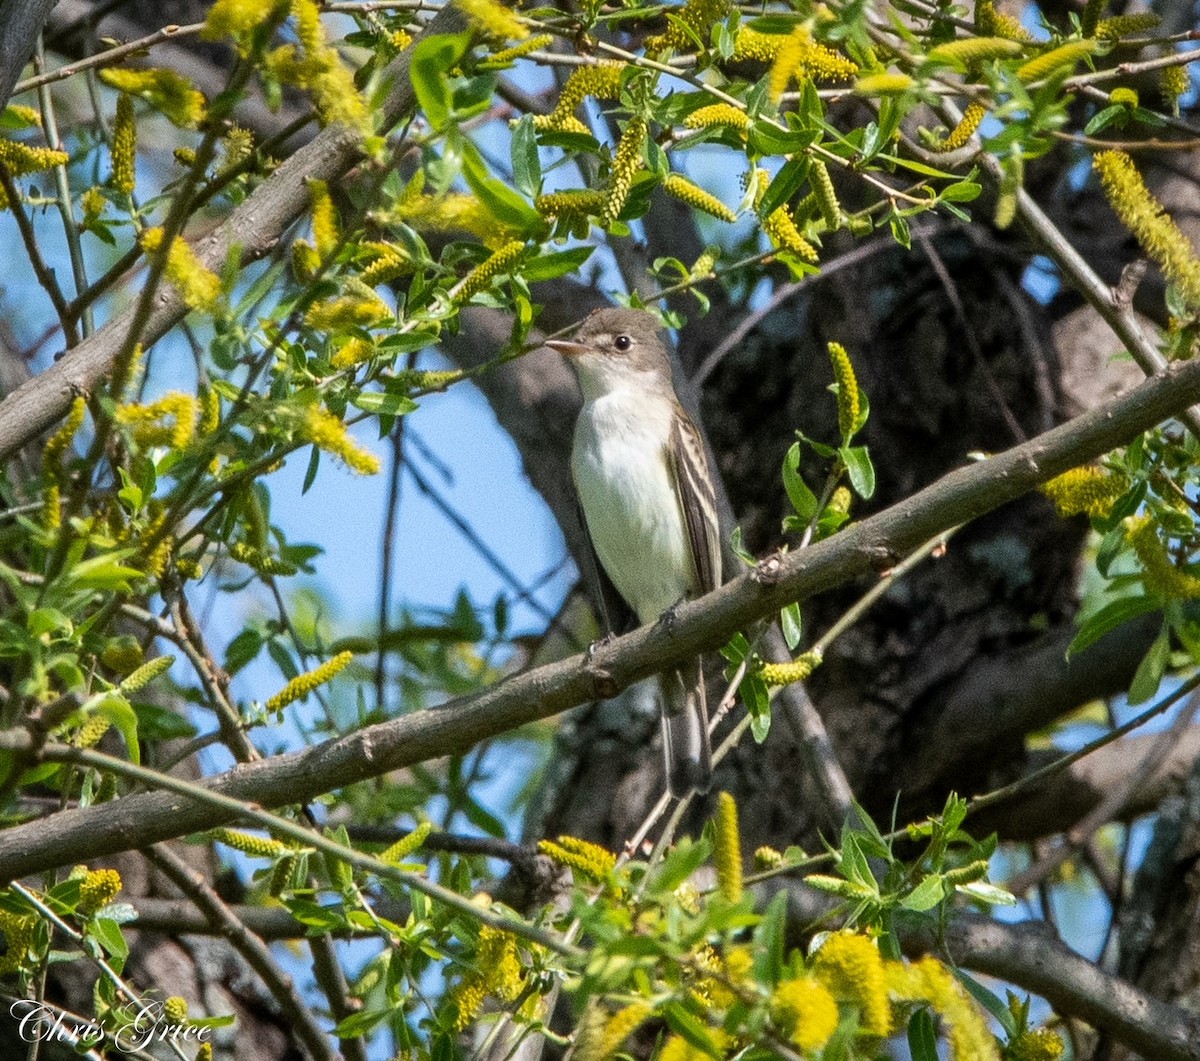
x,y
622,343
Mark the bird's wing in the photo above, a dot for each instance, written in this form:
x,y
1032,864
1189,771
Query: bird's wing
x,y
689,468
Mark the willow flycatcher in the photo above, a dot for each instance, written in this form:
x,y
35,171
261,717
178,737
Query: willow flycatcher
x,y
648,502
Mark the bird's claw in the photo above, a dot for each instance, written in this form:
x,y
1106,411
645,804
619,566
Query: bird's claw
x,y
600,643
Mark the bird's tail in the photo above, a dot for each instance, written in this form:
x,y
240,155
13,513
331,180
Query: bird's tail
x,y
685,730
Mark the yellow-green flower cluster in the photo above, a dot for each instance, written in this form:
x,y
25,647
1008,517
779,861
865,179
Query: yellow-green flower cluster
x,y
794,671
427,379
89,734
124,146
767,858
28,115
249,843
960,135
17,930
354,352
780,227
388,262
801,58
752,45
504,58
727,849
826,195
805,1012
970,50
494,19
679,187
883,84
1119,26
1173,82
849,399
407,844
169,421
851,968
362,309
19,159
993,23
56,444
591,860
1159,572
303,684
197,286
146,673
497,971
326,231
574,205
1065,56
481,277
327,432
1125,96
696,16
1158,235
166,91
600,1037
1088,491
455,212
238,19
97,889
237,145
702,267
92,203
175,1009
627,160
599,80
928,980
717,114
259,560
1039,1044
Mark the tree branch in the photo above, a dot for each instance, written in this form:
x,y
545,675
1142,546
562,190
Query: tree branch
x,y
254,228
700,626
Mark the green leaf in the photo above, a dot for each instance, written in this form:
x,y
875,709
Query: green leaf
x,y
786,183
121,714
242,649
527,167
1105,117
432,60
770,941
922,1036
383,403
803,500
1113,614
789,620
926,895
989,1001
361,1023
861,470
1151,670
103,572
553,264
502,202
962,192
407,342
310,473
768,139
107,933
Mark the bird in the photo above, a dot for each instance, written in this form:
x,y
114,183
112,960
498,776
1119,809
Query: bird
x,y
649,504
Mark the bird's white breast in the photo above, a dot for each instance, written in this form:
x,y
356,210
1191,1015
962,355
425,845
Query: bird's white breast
x,y
629,500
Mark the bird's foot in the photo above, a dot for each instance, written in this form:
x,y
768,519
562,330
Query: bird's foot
x,y
600,643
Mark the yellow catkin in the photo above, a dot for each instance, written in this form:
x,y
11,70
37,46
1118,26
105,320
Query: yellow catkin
x,y
600,81
98,889
258,560
507,56
960,135
92,203
1119,26
965,52
146,673
690,23
52,507
717,114
281,875
499,964
198,286
210,412
1144,216
591,860
1089,17
1064,57
1039,1044
423,380
28,115
768,858
348,311
91,732
805,1012
56,444
353,353
677,1048
1173,82
327,432
849,399
249,843
387,263
992,23
702,267
300,686
796,670
407,844
883,84
237,18
237,146
454,212
627,160
928,980
827,200
1159,572
727,849
574,201
608,1034
19,158
165,90
685,191
175,1009
480,278
493,18
18,933
850,967
752,45
1088,491
169,421
326,231
124,146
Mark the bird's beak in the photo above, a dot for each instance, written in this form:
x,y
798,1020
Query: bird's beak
x,y
568,348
